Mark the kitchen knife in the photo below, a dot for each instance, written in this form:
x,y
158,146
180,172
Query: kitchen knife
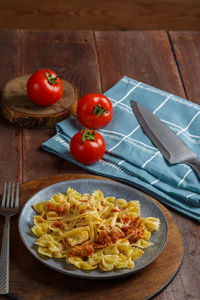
x,y
170,145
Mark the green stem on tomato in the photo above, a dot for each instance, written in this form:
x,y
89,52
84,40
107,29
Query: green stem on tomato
x,y
87,135
51,79
99,110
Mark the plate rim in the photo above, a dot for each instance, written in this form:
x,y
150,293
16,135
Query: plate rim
x,y
86,275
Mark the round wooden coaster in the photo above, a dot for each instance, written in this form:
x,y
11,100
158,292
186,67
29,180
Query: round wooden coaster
x,y
17,107
30,279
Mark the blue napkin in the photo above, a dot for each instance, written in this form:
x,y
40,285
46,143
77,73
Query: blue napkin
x,y
131,157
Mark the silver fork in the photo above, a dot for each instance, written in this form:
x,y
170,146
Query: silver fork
x,y
9,207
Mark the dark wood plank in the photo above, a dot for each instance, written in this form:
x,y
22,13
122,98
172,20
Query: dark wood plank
x,y
10,136
146,57
101,15
187,48
32,280
72,56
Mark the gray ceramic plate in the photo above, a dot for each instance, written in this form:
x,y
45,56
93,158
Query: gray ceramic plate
x,y
109,188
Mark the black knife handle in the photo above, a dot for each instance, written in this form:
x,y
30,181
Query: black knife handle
x,y
195,164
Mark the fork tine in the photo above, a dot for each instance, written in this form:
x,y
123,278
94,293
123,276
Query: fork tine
x,y
17,197
8,196
12,198
4,196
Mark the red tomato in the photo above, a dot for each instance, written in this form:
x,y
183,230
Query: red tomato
x,y
44,87
94,111
87,146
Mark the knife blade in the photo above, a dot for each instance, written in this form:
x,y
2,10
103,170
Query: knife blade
x,y
168,143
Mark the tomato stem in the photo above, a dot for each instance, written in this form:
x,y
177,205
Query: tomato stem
x,y
99,110
51,79
87,135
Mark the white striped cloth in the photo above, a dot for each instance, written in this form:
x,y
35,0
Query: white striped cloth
x,y
130,155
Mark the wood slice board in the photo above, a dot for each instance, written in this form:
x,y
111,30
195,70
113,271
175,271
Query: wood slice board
x,y
17,107
30,279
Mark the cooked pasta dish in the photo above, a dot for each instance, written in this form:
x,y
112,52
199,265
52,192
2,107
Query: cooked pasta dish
x,y
92,231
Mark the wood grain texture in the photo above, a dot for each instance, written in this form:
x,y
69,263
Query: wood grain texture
x,y
187,48
140,55
10,136
17,107
32,280
101,15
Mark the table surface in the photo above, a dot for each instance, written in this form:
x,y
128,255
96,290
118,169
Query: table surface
x,y
94,61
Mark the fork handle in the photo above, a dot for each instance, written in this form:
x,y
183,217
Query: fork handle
x,y
4,259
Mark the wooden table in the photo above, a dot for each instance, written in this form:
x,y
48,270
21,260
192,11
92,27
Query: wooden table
x,y
94,61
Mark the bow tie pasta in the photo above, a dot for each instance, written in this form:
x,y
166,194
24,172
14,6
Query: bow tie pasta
x,y
92,231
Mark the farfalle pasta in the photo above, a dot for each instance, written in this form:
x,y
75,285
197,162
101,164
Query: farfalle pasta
x,y
92,231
